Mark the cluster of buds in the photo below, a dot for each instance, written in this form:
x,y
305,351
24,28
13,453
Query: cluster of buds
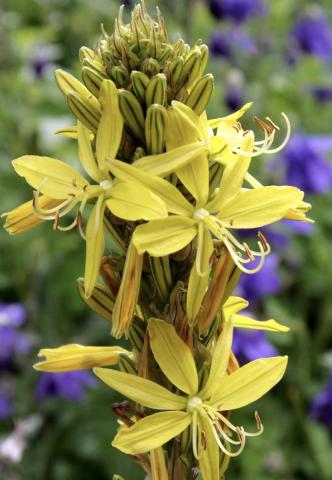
x,y
149,73
169,188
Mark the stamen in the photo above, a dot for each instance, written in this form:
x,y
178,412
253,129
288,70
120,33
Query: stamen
x,y
260,427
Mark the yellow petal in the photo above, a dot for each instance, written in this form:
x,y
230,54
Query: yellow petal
x,y
233,117
182,126
164,164
204,250
260,206
195,177
165,236
111,123
249,383
141,390
219,362
173,356
233,305
71,132
78,357
23,218
95,244
241,321
174,200
132,201
126,299
232,178
158,464
197,287
209,456
86,154
151,432
52,177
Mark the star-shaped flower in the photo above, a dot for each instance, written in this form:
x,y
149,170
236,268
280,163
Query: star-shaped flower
x,y
202,408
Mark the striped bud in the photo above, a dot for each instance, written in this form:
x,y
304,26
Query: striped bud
x,y
69,84
137,334
201,93
175,71
132,113
192,66
85,110
92,80
101,300
204,58
155,126
120,76
162,276
127,365
151,67
156,90
140,82
86,53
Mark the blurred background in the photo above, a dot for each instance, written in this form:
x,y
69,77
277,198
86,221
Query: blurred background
x,y
275,53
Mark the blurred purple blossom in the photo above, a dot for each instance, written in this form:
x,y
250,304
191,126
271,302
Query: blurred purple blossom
x,y
248,345
312,34
6,405
266,281
321,407
322,94
305,163
226,42
13,342
236,10
234,90
43,58
12,314
64,384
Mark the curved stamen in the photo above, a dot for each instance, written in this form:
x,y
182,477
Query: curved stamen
x,y
54,212
239,261
229,453
260,427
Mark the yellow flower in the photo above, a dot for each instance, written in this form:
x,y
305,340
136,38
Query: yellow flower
x,y
61,182
78,357
201,407
230,207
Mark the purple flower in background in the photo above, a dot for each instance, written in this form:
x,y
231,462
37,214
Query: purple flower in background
x,y
43,58
322,94
266,281
6,405
12,314
321,408
64,384
234,90
226,42
248,345
236,10
312,34
13,342
305,163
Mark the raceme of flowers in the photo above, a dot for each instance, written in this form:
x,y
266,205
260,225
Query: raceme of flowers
x,y
160,200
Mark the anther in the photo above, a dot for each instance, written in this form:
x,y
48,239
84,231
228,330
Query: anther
x,y
248,251
274,125
263,240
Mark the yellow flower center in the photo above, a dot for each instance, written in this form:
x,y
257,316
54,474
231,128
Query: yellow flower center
x,y
106,184
193,403
200,214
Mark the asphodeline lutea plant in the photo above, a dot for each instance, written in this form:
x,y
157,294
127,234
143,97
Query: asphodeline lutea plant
x,y
170,190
